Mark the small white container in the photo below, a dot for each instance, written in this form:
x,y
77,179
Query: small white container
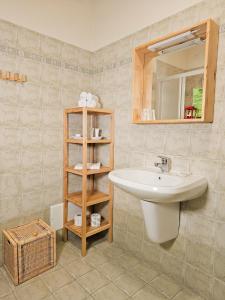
x,y
78,220
95,220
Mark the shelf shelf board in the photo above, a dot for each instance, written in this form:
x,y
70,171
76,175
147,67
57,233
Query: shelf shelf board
x,y
103,169
89,141
92,198
89,110
89,230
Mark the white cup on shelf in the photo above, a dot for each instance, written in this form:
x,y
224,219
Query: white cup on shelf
x,y
78,220
95,220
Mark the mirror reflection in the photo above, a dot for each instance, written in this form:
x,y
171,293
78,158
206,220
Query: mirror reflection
x,y
177,75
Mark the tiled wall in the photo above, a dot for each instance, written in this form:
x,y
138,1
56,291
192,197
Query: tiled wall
x,y
197,256
31,119
31,143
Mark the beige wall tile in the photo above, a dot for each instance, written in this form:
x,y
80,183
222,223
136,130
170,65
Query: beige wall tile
x,y
31,68
151,252
10,207
220,209
200,230
205,143
29,40
32,201
176,247
200,255
8,93
51,47
9,159
8,115
133,242
30,138
173,267
29,96
30,117
8,34
32,180
30,159
9,184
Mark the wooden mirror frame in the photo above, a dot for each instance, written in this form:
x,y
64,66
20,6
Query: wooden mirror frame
x,y
142,81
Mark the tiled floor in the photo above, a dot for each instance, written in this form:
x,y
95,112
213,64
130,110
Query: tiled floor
x,y
106,273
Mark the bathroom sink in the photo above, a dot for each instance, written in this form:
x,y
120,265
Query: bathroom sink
x,y
160,195
151,185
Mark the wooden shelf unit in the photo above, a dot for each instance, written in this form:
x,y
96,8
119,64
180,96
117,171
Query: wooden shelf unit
x,y
88,197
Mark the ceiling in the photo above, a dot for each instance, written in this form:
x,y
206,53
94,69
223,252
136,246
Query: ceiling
x,y
89,24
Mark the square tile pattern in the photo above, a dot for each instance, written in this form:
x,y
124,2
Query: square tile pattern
x,y
100,275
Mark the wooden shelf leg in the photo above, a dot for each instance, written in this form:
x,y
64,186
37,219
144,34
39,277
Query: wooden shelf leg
x,y
84,187
65,231
65,235
65,179
110,234
84,246
110,213
111,158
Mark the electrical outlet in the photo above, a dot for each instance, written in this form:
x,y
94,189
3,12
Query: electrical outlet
x,y
222,28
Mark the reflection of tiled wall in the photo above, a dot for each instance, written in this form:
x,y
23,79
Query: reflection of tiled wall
x,y
197,256
31,119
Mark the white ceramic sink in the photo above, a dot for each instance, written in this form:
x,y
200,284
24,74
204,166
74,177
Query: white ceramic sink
x,y
160,195
154,186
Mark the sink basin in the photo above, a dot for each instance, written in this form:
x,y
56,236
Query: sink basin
x,y
153,186
160,195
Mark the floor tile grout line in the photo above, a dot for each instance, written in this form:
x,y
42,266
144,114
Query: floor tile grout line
x,y
109,259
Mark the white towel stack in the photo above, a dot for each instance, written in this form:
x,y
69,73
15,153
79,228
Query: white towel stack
x,y
88,100
90,166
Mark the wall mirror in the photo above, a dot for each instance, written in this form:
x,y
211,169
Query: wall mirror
x,y
174,76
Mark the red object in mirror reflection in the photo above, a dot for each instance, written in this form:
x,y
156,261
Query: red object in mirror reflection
x,y
190,112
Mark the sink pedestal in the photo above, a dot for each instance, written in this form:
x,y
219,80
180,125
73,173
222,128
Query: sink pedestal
x,y
161,220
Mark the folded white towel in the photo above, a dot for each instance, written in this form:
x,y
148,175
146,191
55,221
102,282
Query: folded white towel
x,y
90,166
91,103
83,96
88,100
82,103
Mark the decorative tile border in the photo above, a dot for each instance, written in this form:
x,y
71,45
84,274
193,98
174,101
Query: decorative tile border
x,y
10,51
114,65
128,60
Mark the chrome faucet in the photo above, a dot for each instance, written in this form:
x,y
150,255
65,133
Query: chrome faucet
x,y
164,165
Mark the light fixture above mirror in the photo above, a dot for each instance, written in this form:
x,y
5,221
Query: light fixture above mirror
x,y
174,76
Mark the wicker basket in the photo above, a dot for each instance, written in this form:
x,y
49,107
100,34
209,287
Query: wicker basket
x,y
29,250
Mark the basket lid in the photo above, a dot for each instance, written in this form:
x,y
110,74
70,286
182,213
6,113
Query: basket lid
x,y
28,232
